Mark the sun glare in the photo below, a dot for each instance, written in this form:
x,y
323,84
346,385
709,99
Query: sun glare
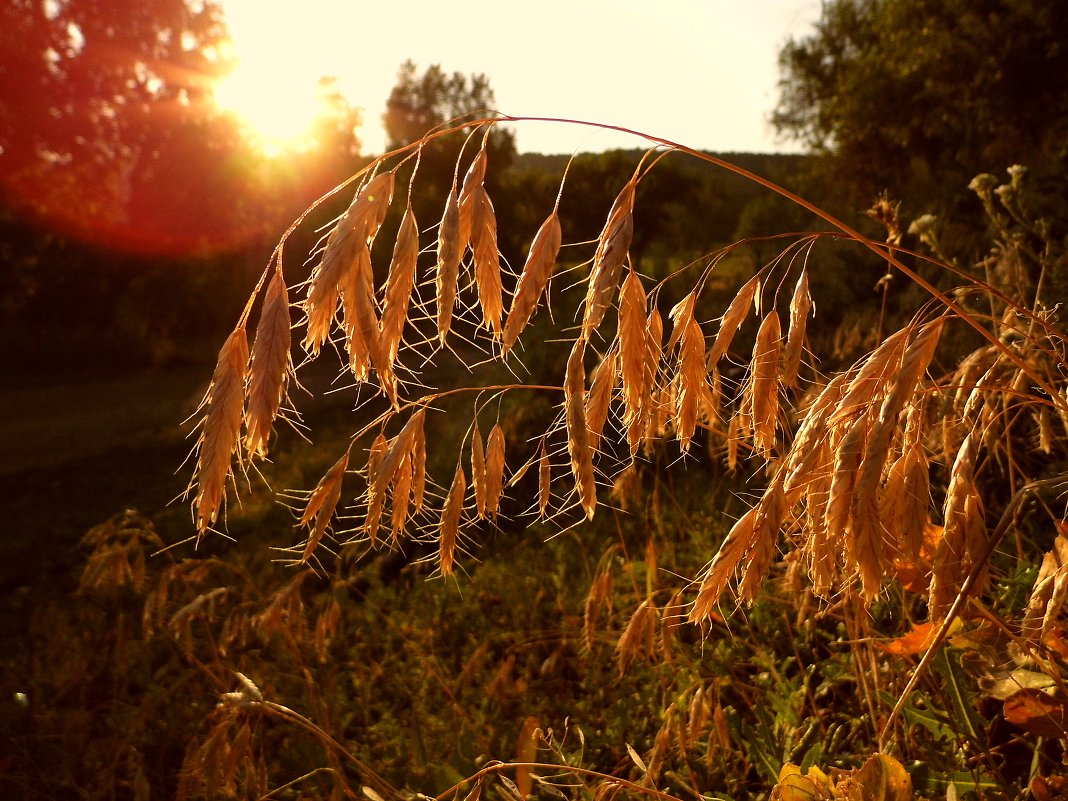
x,y
277,110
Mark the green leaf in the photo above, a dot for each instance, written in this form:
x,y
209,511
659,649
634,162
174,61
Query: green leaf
x,y
934,720
966,716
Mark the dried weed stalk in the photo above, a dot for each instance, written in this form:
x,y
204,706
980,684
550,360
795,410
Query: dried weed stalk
x,y
859,462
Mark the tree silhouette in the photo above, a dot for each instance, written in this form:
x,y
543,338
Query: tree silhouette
x,y
919,97
109,130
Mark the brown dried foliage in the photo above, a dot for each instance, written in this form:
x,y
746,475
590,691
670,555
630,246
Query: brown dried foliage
x,y
849,469
272,365
613,246
220,428
535,277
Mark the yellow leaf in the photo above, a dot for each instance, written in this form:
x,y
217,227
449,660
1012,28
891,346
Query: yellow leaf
x,y
795,787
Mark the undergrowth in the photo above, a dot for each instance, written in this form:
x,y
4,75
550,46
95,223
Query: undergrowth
x,y
674,551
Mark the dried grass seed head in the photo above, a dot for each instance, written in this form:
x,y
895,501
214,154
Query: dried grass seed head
x,y
541,259
220,428
613,246
271,368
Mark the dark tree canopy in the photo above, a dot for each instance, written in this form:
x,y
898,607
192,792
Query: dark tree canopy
x,y
109,130
919,96
419,103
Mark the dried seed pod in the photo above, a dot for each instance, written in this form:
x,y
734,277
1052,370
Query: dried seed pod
x,y
840,503
418,457
906,499
800,308
735,546
399,285
633,355
600,395
764,388
220,428
693,394
402,489
657,404
494,470
612,247
539,266
450,253
732,319
487,261
272,365
449,525
639,637
476,174
321,504
821,546
964,534
478,471
770,514
355,230
870,380
361,318
597,599
544,478
578,440
382,469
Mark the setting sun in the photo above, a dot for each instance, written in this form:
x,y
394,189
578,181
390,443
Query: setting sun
x,y
277,109
282,83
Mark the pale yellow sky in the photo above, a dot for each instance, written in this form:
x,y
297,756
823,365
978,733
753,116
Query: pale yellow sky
x,y
702,73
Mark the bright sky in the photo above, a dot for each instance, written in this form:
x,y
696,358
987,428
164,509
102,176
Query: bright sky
x,y
702,73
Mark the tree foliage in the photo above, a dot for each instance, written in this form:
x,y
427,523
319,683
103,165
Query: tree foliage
x,y
421,103
919,97
109,129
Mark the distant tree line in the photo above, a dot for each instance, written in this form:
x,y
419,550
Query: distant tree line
x,y
128,205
